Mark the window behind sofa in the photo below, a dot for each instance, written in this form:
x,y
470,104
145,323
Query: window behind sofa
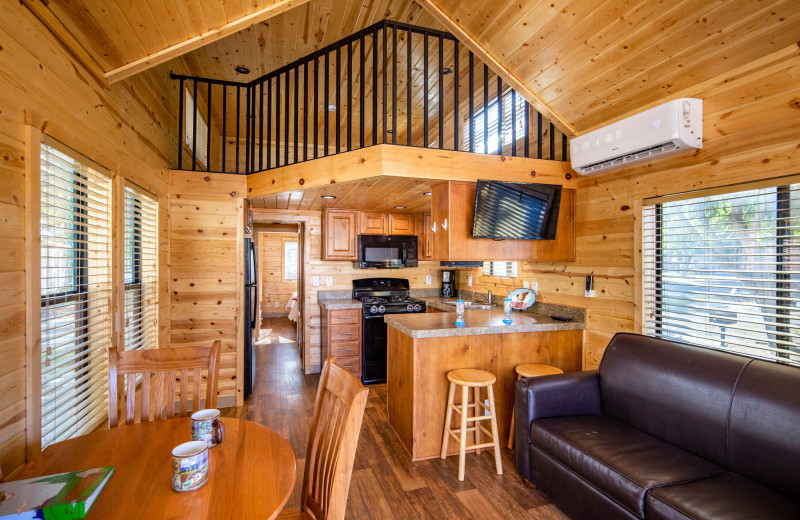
x,y
722,270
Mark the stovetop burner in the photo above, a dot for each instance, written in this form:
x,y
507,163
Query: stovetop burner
x,y
371,300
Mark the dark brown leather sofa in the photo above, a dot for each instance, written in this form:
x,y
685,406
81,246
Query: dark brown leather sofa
x,y
664,430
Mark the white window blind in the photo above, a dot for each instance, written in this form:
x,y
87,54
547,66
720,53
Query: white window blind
x,y
75,279
141,269
500,268
201,139
289,260
722,271
493,114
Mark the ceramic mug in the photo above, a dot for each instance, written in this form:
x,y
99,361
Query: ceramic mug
x,y
204,424
189,466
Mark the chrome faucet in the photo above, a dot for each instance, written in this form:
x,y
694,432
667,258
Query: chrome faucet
x,y
488,296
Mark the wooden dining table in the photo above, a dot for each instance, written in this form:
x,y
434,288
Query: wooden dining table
x,y
251,474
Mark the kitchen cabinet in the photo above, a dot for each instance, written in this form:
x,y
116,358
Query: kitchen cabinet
x,y
452,213
401,224
339,234
426,238
341,337
372,223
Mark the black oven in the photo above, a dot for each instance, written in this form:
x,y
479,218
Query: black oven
x,y
387,251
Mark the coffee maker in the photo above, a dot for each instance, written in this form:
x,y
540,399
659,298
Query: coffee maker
x,y
449,283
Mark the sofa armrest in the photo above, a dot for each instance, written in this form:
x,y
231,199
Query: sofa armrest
x,y
573,393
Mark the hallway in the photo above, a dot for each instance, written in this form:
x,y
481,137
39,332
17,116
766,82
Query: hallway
x,y
385,483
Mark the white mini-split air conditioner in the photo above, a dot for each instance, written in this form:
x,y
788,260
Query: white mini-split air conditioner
x,y
666,129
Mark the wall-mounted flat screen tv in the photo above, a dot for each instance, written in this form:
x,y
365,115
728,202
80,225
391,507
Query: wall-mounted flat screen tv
x,y
516,210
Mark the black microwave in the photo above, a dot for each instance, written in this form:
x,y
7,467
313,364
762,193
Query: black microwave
x,y
387,251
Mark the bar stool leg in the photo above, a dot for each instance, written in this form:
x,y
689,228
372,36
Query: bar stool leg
x,y
495,436
476,413
463,437
448,418
511,431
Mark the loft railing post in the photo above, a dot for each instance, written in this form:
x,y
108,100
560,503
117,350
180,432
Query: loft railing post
x,y
181,124
316,106
277,121
253,131
513,123
408,88
224,124
296,112
269,122
563,147
441,92
375,87
238,124
361,81
338,99
385,81
247,133
261,126
194,127
288,113
552,142
394,85
305,111
424,89
527,129
349,96
325,106
499,116
208,130
456,110
471,102
485,109
538,135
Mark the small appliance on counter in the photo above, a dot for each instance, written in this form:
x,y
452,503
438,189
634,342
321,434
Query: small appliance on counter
x,y
448,283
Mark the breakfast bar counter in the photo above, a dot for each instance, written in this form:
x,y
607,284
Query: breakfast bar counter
x,y
423,348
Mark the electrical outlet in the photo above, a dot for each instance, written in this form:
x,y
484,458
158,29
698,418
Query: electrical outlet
x,y
526,285
469,281
276,305
589,286
329,281
535,287
429,280
315,281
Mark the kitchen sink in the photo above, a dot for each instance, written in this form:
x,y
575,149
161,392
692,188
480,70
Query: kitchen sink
x,y
473,305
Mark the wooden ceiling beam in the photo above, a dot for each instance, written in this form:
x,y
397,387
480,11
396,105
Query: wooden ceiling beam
x,y
173,51
488,58
65,38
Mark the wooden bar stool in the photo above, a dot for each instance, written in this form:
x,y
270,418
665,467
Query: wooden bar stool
x,y
477,379
529,370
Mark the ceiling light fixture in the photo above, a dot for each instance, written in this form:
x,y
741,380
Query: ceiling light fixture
x,y
447,70
390,131
427,193
328,197
399,207
241,69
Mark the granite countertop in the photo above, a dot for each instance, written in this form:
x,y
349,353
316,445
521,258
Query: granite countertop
x,y
337,300
442,324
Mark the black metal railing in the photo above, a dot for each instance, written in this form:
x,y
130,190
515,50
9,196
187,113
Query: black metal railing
x,y
401,84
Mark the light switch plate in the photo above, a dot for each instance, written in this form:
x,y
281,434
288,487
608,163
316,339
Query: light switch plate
x,y
590,293
469,281
428,280
526,285
329,281
535,287
276,305
315,281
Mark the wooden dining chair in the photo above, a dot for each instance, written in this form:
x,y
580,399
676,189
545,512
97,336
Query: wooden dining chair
x,y
159,369
332,442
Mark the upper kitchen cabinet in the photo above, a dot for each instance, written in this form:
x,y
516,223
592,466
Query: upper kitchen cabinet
x,y
452,212
339,232
372,223
401,224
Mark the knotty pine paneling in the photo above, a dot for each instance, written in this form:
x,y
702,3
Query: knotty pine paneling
x,y
127,129
274,289
343,274
751,130
207,270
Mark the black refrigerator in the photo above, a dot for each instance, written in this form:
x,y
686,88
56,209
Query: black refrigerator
x,y
250,317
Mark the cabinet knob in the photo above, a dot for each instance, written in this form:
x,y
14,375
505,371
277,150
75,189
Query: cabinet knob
x,y
444,225
433,228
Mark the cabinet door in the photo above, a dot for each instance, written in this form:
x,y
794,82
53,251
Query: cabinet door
x,y
401,224
372,223
340,235
426,246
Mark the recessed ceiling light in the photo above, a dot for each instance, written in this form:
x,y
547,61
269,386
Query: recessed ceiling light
x,y
241,69
330,108
427,193
329,197
399,207
390,131
447,70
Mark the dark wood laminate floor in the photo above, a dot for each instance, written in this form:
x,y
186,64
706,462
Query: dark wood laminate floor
x,y
385,484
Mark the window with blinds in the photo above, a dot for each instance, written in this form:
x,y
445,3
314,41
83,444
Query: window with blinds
x,y
75,300
289,260
141,269
510,99
500,268
200,140
722,271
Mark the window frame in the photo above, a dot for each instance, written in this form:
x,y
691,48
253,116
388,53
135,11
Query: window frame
x,y
202,157
516,108
490,268
284,262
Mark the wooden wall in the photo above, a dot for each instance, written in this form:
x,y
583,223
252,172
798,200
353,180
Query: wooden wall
x,y
274,289
751,131
124,129
343,274
207,270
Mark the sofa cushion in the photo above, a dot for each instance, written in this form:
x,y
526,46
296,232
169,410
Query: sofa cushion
x,y
618,460
724,497
676,392
764,438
